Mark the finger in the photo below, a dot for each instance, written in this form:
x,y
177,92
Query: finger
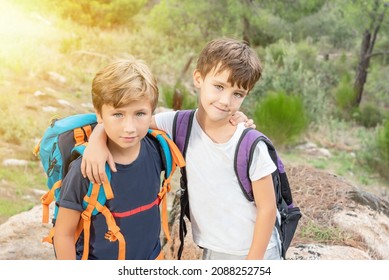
x,y
236,115
111,163
95,174
101,173
249,123
89,174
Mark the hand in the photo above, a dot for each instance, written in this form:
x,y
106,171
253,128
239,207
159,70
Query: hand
x,y
93,163
239,117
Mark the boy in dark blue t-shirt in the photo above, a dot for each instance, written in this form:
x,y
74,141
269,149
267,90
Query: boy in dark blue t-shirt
x,y
124,95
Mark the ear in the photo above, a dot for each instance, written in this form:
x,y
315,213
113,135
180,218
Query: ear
x,y
99,118
197,79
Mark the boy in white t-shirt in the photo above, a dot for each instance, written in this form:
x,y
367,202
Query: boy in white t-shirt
x,y
224,223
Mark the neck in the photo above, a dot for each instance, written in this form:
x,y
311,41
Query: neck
x,y
219,131
124,155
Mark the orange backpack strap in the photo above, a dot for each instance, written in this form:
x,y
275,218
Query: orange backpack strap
x,y
113,234
46,199
86,218
164,216
176,160
79,134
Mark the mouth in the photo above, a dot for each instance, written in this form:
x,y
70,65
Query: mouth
x,y
128,138
221,110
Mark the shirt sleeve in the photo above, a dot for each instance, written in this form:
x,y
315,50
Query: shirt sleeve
x,y
164,121
262,164
74,188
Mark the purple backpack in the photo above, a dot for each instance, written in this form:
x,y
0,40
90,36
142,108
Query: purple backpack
x,y
290,215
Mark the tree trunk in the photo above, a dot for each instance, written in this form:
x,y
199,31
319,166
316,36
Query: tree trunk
x,y
363,65
367,46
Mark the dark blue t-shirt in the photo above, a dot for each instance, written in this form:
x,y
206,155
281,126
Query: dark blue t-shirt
x,y
133,185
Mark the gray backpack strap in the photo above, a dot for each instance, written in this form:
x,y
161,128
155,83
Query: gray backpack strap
x,y
182,126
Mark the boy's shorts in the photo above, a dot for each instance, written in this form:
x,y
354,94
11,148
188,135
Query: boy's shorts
x,y
270,254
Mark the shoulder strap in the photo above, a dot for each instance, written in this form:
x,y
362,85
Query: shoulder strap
x,y
243,157
171,158
182,126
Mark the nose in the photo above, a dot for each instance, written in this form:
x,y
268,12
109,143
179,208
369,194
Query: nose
x,y
225,99
128,125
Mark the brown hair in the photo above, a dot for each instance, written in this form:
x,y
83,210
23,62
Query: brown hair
x,y
122,82
237,57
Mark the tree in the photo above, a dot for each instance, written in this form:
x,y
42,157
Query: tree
x,y
377,15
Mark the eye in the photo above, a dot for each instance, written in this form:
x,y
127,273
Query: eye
x,y
118,115
239,95
140,114
219,87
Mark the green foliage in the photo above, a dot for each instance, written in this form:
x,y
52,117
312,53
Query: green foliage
x,y
293,10
192,22
281,117
189,101
326,25
344,96
322,234
368,115
375,153
99,13
285,71
383,142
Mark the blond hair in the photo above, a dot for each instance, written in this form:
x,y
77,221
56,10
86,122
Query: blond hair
x,y
122,82
230,54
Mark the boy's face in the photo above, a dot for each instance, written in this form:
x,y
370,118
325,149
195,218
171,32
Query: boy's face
x,y
126,126
217,97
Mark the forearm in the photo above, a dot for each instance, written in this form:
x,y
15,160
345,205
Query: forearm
x,y
65,229
64,246
98,135
263,229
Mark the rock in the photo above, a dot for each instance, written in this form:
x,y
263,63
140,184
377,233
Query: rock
x,y
325,252
371,226
21,235
15,162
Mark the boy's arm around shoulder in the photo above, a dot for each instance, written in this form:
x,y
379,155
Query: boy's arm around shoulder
x,y
265,202
93,163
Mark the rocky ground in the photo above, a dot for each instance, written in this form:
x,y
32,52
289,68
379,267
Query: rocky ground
x,y
340,221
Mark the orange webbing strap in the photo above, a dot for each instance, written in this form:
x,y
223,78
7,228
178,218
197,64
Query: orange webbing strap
x,y
37,148
49,237
88,131
80,133
160,257
107,189
78,136
46,199
87,214
86,218
178,159
113,234
164,217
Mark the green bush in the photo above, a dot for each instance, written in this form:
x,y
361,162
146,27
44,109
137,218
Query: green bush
x,y
344,96
189,101
368,115
383,149
375,153
99,13
281,117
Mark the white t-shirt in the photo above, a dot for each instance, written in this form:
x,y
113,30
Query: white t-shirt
x,y
222,218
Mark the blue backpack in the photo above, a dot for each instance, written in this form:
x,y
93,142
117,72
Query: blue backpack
x,y
65,140
290,215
